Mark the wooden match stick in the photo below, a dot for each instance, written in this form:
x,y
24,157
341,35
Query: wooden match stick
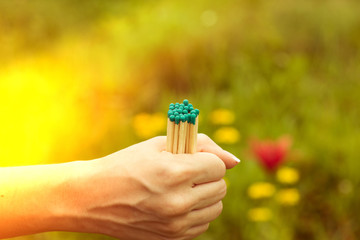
x,y
182,135
196,127
192,144
176,134
170,133
187,133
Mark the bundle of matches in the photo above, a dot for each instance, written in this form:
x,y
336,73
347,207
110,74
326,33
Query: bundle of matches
x,y
182,128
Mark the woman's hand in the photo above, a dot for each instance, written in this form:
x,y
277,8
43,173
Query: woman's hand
x,y
143,192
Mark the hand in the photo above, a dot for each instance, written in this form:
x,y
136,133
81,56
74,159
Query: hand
x,y
144,192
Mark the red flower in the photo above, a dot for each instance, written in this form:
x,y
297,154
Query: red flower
x,y
270,153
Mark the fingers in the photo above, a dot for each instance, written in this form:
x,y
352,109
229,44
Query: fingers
x,y
188,225
205,144
199,167
208,194
205,215
196,231
197,222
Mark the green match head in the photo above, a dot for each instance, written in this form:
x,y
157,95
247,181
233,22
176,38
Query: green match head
x,y
197,111
172,118
185,111
172,107
193,112
182,118
177,119
188,117
190,105
193,118
170,112
171,104
186,102
176,113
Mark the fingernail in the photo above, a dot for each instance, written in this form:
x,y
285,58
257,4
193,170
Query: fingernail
x,y
233,157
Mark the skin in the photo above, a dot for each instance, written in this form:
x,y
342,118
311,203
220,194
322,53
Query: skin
x,y
141,192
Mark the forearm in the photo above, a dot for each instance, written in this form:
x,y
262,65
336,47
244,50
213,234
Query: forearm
x,y
32,197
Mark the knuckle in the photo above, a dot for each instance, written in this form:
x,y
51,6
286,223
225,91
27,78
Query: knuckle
x,y
175,206
180,172
216,163
204,137
204,227
175,228
173,173
162,167
199,230
219,208
222,167
176,171
223,186
216,159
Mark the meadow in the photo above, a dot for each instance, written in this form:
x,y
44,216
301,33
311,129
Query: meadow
x,y
277,84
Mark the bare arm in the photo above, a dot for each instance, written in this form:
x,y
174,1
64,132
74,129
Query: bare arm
x,y
31,196
141,192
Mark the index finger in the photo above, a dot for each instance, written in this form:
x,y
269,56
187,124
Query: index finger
x,y
204,144
204,167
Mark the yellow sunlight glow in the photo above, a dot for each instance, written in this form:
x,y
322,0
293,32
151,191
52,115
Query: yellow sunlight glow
x,y
37,106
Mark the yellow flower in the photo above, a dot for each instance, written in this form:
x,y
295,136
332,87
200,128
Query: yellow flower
x,y
222,117
290,196
260,214
227,135
261,190
149,125
287,175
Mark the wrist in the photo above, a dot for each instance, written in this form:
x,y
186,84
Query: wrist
x,y
34,198
71,196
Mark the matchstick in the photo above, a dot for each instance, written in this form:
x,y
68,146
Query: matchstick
x,y
176,134
170,132
196,128
188,118
182,135
192,136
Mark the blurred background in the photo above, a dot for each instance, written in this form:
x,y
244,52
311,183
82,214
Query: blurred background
x,y
277,84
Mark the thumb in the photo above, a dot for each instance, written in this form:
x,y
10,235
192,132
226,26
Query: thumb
x,y
205,144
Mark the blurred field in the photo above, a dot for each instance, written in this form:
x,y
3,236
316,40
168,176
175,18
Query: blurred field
x,y
82,79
